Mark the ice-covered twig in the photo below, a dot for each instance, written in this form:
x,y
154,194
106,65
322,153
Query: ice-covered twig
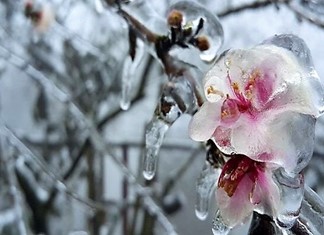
x,y
176,175
299,11
15,141
304,15
94,136
246,6
8,174
311,219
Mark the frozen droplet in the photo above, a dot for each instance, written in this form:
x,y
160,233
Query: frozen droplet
x,y
212,30
154,136
219,227
291,196
205,186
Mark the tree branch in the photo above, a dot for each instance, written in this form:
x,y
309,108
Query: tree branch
x,y
311,18
247,6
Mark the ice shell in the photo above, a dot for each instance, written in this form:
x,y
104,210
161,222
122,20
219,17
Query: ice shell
x,y
212,28
299,49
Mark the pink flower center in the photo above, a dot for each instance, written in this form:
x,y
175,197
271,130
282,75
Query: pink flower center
x,y
257,90
235,169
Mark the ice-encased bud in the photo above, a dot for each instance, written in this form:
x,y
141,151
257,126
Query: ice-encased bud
x,y
154,136
219,227
205,186
212,29
291,196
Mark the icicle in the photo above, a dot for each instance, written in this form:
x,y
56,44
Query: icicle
x,y
129,69
219,227
154,136
126,84
292,193
205,186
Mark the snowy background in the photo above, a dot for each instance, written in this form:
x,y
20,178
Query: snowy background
x,y
79,58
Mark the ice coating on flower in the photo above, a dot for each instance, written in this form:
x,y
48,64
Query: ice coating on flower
x,y
256,98
244,186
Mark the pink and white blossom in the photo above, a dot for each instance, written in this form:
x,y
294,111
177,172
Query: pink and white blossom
x,y
253,99
244,186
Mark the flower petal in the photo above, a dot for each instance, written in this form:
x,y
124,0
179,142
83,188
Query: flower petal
x,y
287,138
205,121
236,208
266,194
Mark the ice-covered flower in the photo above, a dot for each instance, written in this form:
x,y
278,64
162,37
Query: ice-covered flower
x,y
262,103
245,185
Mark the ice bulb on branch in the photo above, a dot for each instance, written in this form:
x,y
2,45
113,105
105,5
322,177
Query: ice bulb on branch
x,y
200,27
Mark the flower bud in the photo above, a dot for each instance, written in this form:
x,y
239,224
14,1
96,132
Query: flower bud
x,y
175,18
202,43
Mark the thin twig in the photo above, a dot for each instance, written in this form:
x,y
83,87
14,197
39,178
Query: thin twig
x,y
96,139
308,17
247,6
125,191
173,178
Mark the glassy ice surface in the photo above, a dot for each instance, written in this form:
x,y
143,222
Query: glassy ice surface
x,y
205,186
291,196
299,48
212,29
219,227
154,136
